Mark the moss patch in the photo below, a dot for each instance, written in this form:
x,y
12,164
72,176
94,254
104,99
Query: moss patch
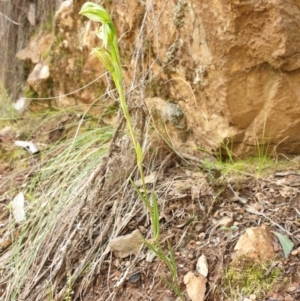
x,y
244,277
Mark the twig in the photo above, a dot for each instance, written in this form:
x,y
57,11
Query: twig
x,y
9,19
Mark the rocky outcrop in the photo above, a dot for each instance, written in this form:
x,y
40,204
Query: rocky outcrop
x,y
231,68
63,70
234,70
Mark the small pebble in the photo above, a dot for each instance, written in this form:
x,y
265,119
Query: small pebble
x,y
201,236
198,228
292,288
295,252
190,256
142,229
127,263
225,221
117,263
135,278
252,297
188,172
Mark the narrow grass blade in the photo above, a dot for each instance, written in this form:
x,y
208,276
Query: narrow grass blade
x,y
155,216
172,257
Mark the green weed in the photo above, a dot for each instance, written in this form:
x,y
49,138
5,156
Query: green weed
x,y
69,289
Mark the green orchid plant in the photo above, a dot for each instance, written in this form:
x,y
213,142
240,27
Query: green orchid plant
x,y
110,57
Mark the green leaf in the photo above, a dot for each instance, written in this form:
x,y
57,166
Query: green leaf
x,y
115,49
139,153
174,287
95,12
155,216
172,256
118,70
286,243
109,32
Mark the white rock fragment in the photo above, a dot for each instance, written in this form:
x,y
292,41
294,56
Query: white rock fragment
x,y
18,209
30,146
21,105
150,256
225,221
202,266
39,74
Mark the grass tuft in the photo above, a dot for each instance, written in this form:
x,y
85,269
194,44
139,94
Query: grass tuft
x,y
51,195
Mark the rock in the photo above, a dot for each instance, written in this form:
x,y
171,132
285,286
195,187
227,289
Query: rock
x,y
233,68
21,105
135,278
38,76
37,48
195,286
256,243
63,16
30,146
225,221
169,119
202,266
126,245
18,207
222,73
